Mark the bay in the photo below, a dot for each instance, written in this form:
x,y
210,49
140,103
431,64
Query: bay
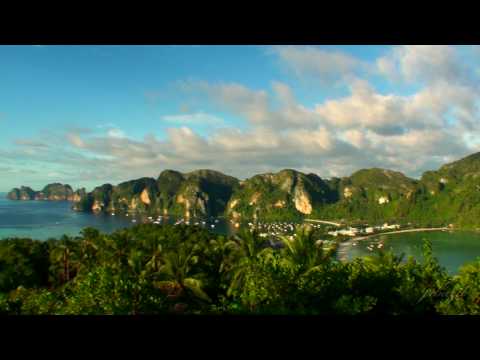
x,y
452,248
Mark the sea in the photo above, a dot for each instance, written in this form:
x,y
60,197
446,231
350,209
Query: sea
x,y
42,220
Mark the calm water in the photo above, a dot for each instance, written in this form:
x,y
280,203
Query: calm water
x,y
452,249
46,219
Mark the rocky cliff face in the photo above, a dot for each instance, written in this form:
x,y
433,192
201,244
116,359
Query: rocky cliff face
x,y
96,201
22,193
302,200
200,193
272,195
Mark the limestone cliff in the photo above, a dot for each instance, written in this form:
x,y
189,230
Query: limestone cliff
x,y
22,193
199,193
288,193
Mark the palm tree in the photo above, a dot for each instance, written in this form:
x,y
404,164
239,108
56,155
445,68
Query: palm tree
x,y
155,252
117,250
249,246
304,251
217,262
64,253
88,247
176,274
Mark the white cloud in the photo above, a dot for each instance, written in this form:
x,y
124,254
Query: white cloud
x,y
355,137
198,118
427,63
320,140
337,137
395,114
257,106
326,66
115,133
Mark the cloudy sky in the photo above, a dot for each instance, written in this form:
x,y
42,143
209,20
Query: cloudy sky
x,y
87,115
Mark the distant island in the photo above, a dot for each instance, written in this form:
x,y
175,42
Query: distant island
x,y
448,196
53,192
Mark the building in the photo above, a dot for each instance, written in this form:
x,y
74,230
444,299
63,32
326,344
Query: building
x,y
389,227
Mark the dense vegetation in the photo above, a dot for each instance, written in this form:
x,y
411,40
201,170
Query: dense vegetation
x,y
150,269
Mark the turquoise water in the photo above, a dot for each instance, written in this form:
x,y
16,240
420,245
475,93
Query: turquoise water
x,y
452,249
51,219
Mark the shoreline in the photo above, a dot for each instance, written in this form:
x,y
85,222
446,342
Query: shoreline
x,y
342,251
359,238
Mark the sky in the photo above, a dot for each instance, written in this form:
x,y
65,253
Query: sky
x,y
88,115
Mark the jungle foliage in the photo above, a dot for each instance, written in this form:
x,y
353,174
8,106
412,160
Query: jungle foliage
x,y
149,269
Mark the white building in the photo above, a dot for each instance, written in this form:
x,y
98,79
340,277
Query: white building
x,y
389,227
383,200
349,232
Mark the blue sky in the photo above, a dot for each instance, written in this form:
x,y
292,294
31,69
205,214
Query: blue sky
x,y
93,114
